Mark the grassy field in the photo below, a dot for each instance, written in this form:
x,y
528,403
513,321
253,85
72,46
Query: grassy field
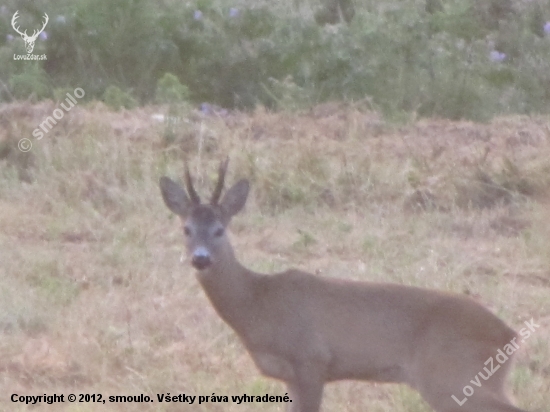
x,y
96,297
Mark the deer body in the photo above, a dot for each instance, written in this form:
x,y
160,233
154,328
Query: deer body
x,y
307,330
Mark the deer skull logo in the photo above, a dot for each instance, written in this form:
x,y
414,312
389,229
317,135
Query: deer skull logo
x,y
29,40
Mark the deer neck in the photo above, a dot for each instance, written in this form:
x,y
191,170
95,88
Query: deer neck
x,y
229,286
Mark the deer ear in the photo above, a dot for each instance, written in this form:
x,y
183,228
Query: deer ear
x,y
235,198
174,196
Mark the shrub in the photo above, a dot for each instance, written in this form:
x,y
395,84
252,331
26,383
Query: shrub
x,y
33,81
116,98
170,90
455,59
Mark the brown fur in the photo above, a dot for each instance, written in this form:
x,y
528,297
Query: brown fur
x,y
307,330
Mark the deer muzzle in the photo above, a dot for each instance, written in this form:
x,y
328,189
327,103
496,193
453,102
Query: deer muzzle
x,y
201,258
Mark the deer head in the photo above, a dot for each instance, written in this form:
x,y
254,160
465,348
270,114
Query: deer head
x,y
29,40
204,224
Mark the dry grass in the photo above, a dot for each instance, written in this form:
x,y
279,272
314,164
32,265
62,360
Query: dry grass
x,y
95,299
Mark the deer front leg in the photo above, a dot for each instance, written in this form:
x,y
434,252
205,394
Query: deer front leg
x,y
306,392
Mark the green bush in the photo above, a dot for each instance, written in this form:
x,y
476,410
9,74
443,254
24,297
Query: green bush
x,y
32,82
170,90
116,98
455,59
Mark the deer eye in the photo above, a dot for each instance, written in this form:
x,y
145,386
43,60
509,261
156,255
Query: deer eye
x,y
219,232
187,231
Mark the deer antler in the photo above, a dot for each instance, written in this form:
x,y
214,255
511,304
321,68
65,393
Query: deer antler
x,y
190,189
24,34
13,23
221,179
37,32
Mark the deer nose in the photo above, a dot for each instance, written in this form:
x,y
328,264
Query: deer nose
x,y
201,258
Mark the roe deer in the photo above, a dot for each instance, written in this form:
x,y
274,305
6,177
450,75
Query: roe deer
x,y
307,330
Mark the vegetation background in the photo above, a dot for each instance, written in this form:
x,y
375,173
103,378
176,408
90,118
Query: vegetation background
x,y
447,58
365,163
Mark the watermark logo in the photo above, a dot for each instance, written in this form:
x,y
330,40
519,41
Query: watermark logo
x,y
502,356
49,122
29,40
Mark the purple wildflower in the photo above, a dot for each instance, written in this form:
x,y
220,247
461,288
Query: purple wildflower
x,y
197,15
547,27
206,108
233,12
497,56
9,37
43,36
